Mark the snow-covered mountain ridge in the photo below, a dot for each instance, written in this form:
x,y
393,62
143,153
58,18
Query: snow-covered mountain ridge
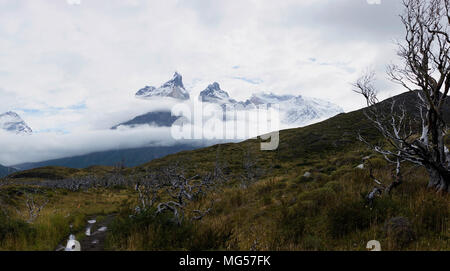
x,y
173,88
294,111
12,122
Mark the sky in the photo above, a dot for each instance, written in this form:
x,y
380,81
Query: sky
x,y
73,66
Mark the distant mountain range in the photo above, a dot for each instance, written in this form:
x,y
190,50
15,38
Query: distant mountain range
x,y
295,111
130,157
160,119
12,122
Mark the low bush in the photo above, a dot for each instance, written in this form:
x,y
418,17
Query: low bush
x,y
151,232
433,214
351,215
291,225
12,230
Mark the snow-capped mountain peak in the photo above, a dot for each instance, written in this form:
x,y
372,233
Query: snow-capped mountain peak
x,y
269,98
12,122
298,110
177,81
173,88
145,91
214,94
294,110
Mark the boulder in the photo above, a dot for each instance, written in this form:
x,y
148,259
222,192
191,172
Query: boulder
x,y
400,230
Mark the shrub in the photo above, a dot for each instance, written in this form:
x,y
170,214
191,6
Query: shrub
x,y
378,162
267,199
148,231
400,230
154,232
433,214
15,234
353,215
341,172
321,196
311,242
12,228
347,217
211,238
334,185
236,199
309,207
321,177
291,224
348,159
329,169
303,179
266,188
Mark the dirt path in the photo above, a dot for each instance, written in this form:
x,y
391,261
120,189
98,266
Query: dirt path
x,y
96,241
96,238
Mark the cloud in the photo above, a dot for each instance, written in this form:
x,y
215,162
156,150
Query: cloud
x,y
206,124
56,57
207,128
74,2
374,2
256,81
53,145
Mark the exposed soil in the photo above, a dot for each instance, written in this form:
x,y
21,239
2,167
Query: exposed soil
x,y
96,240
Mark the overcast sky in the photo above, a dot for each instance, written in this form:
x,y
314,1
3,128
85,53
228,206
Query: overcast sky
x,y
74,65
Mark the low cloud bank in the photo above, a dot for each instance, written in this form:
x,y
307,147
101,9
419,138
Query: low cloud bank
x,y
203,127
15,149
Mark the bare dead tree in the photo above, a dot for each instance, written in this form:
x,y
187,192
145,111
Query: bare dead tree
x,y
394,123
397,176
425,71
380,186
218,173
85,182
171,190
148,191
34,207
182,190
199,214
250,168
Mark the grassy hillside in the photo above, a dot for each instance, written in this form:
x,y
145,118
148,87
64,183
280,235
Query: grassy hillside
x,y
282,209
